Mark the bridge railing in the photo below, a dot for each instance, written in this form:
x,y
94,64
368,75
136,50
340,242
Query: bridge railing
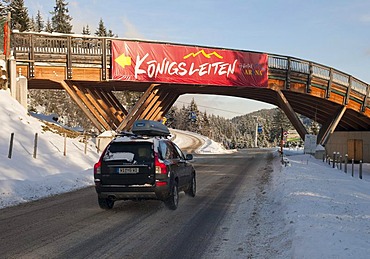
x,y
318,70
34,47
57,44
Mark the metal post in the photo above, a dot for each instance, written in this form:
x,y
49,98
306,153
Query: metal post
x,y
340,165
360,170
65,145
323,158
353,166
338,159
334,154
35,146
345,163
11,145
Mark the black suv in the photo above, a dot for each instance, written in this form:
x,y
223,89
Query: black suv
x,y
142,165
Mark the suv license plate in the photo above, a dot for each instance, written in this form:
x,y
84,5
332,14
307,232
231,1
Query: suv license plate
x,y
128,170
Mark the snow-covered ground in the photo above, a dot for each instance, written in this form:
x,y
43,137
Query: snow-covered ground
x,y
24,178
327,211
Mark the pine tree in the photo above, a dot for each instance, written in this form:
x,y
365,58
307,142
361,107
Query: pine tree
x,y
86,30
19,15
280,121
111,34
32,26
61,20
314,127
206,128
101,31
48,26
4,8
39,23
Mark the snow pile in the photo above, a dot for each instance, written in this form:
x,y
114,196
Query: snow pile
x,y
211,147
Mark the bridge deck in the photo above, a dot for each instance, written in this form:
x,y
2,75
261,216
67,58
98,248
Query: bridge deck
x,y
81,65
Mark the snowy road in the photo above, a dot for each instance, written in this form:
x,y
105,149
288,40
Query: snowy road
x,y
188,142
226,218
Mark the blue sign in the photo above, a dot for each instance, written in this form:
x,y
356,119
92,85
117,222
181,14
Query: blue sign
x,y
259,129
193,116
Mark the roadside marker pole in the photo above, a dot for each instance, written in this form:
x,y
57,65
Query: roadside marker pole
x,y
65,144
85,149
11,145
35,146
334,159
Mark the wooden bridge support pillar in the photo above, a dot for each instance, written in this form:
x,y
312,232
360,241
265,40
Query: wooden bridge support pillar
x,y
292,116
139,107
328,128
167,103
77,96
153,104
100,105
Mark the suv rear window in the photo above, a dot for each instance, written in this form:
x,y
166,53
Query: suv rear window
x,y
136,152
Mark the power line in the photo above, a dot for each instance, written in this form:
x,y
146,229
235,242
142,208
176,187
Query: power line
x,y
213,108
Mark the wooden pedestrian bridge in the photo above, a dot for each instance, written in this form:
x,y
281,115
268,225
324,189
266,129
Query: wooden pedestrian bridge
x,y
90,68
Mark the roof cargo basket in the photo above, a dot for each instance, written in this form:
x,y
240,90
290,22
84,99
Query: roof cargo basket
x,y
150,128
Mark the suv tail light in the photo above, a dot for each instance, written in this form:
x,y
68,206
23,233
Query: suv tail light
x,y
160,167
97,167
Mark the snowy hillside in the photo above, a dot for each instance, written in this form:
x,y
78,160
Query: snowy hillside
x,y
23,177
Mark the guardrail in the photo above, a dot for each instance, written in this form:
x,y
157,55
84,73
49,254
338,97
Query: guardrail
x,y
39,47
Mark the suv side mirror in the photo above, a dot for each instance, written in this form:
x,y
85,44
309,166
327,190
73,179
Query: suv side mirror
x,y
189,157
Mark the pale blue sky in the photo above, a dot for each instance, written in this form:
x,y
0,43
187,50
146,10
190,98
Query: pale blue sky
x,y
335,33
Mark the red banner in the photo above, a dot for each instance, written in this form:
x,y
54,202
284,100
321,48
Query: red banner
x,y
165,63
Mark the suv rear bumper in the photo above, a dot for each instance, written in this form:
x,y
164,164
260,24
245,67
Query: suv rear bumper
x,y
118,192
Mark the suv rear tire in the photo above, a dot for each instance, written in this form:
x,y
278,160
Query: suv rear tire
x,y
192,187
173,201
106,203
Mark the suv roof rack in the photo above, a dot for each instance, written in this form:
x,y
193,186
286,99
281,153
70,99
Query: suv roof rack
x,y
125,134
150,128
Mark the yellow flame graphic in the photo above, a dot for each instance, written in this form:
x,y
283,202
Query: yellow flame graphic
x,y
204,54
